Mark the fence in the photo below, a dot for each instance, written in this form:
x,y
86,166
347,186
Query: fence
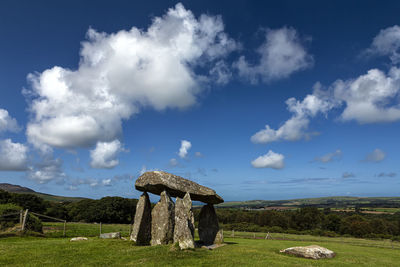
x,y
23,218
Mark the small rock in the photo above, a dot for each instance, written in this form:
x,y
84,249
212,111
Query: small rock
x,y
163,221
111,235
312,252
141,230
79,238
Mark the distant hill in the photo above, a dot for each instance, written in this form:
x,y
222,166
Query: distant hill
x,y
24,190
332,202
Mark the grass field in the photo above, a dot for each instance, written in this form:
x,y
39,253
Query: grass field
x,y
31,251
247,249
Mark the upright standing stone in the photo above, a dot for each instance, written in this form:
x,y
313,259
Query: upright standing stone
x,y
208,225
184,223
163,218
141,231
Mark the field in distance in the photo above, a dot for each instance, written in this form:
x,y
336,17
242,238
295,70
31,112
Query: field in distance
x,y
385,204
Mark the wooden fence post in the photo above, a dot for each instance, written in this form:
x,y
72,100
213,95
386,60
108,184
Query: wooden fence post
x,y
233,233
100,228
20,217
24,219
65,222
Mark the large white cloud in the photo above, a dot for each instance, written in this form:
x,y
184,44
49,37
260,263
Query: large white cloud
x,y
370,98
270,160
7,123
13,156
121,72
183,150
280,55
104,156
387,43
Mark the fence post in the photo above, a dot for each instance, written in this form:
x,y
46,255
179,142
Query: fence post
x,y
24,219
100,228
233,233
254,235
65,222
20,217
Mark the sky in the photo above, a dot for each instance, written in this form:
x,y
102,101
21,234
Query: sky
x,y
255,99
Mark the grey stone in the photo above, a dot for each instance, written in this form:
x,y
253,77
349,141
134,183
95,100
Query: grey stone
x,y
219,237
312,252
116,235
208,225
184,223
141,230
163,218
158,181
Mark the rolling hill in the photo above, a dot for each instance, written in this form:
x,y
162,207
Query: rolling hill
x,y
24,190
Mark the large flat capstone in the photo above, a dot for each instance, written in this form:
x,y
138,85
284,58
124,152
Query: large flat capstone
x,y
158,181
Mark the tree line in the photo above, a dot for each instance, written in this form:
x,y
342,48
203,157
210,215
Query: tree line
x,y
106,209
311,220
305,220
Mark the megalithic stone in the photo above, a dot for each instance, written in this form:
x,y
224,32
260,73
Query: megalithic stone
x,y
184,223
163,220
208,225
157,181
141,230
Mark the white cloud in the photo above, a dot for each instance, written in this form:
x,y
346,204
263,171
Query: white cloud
x,y
173,162
330,156
199,154
46,170
183,150
119,73
270,160
370,98
387,43
7,123
375,156
280,55
13,156
296,127
104,156
106,182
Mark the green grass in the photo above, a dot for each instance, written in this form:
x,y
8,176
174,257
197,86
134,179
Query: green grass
x,y
55,229
239,252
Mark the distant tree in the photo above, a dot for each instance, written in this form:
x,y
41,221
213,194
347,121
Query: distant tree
x,y
29,201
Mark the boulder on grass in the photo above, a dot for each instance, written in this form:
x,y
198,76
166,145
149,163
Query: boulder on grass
x,y
116,235
312,252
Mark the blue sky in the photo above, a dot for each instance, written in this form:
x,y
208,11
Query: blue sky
x,y
275,100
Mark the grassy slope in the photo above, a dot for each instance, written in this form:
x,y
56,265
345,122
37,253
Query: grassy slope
x,y
246,252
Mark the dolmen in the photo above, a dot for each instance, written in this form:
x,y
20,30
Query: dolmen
x,y
173,223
